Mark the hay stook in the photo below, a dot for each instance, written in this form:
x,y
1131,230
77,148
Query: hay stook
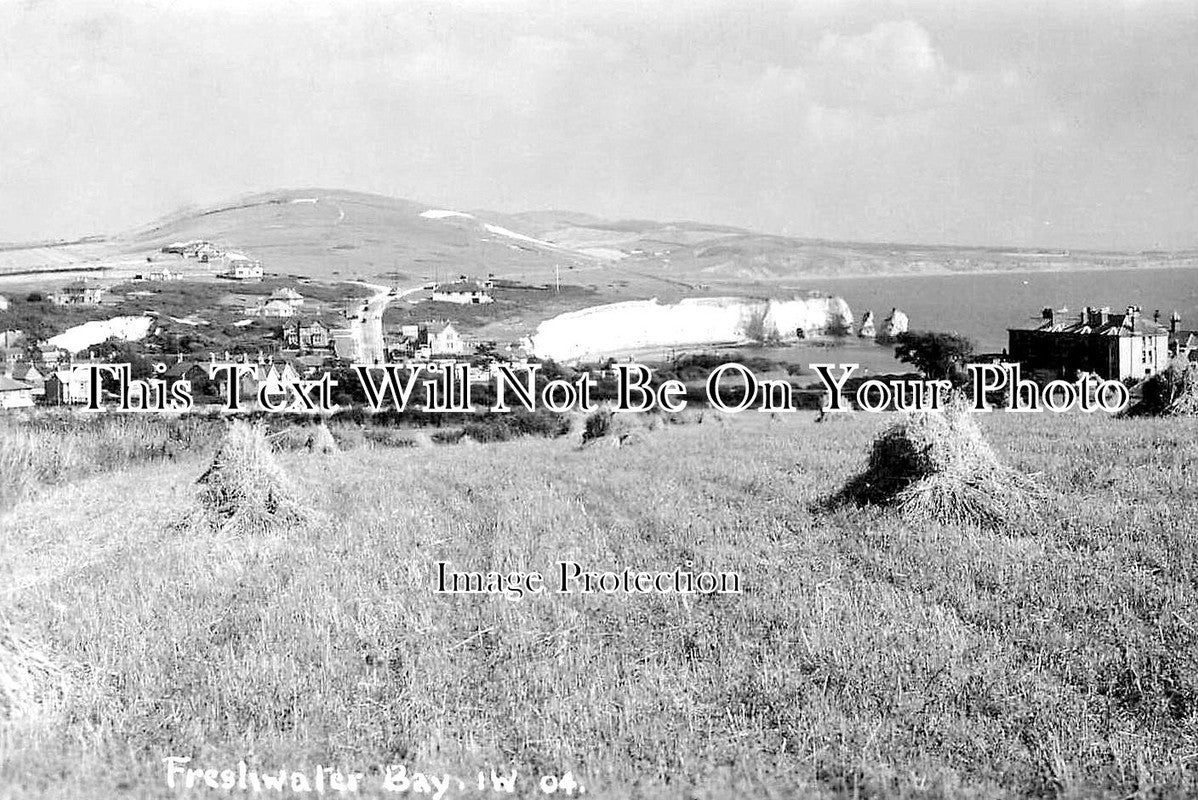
x,y
939,467
321,441
245,490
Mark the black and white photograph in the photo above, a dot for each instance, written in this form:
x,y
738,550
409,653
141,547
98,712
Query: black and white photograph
x,y
696,399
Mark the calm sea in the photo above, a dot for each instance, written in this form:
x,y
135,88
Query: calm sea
x,y
982,307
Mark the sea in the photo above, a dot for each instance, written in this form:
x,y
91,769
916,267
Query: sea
x,y
983,306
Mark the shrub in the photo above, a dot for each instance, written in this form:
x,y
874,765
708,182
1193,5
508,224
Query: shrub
x,y
597,425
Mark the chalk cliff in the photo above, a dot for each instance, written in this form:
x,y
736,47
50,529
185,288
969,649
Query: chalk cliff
x,y
618,329
89,334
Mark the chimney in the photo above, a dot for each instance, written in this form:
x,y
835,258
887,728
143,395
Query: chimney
x,y
1156,316
1047,314
1174,322
1104,315
1085,315
1133,314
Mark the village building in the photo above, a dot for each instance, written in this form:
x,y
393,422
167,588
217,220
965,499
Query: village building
x,y
78,293
50,356
68,386
10,357
28,373
15,394
196,373
308,366
345,346
464,292
271,308
12,338
276,378
1112,346
247,381
442,340
195,248
1182,343
165,275
288,295
241,267
300,335
206,253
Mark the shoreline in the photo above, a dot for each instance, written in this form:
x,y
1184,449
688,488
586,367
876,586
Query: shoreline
x,y
114,272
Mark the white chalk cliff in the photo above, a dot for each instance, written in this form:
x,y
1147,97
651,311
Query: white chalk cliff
x,y
619,328
81,337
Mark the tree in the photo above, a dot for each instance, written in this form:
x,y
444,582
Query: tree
x,y
938,356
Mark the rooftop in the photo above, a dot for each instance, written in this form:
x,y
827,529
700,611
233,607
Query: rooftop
x,y
461,286
1099,322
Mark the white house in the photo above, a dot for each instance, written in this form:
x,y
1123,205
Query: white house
x,y
444,340
241,267
272,308
14,393
68,386
165,274
464,292
29,374
288,295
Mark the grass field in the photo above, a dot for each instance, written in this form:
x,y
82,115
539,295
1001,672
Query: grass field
x,y
866,657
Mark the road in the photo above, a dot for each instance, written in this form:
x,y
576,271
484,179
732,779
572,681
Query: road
x,y
367,324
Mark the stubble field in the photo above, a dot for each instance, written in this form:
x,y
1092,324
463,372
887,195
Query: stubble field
x,y
867,657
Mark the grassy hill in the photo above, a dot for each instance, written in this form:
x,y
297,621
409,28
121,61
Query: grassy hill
x,y
323,233
867,657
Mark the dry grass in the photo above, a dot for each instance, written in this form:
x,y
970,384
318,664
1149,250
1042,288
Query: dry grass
x,y
39,448
869,656
939,467
31,684
321,441
245,491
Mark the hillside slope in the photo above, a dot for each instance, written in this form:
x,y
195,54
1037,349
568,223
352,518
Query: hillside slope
x,y
320,233
324,233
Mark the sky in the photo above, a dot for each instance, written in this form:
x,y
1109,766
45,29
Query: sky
x,y
1065,125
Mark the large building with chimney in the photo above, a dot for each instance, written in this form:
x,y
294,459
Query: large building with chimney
x,y
1120,347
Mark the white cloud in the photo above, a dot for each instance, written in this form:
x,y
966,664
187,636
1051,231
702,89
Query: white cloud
x,y
893,68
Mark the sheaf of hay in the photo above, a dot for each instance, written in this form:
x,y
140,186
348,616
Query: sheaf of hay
x,y
1172,392
321,440
30,682
1183,401
939,467
245,491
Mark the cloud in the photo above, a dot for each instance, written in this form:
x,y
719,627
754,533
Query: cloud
x,y
893,68
901,120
